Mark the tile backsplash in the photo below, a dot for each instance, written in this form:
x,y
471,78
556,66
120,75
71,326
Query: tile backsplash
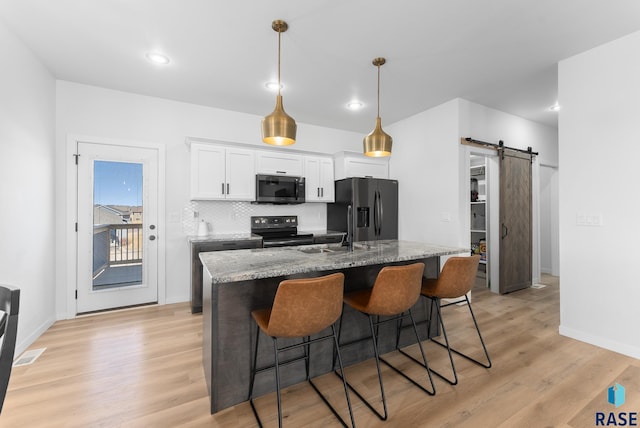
x,y
235,217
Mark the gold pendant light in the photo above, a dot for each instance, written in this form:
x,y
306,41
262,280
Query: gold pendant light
x,y
378,143
279,129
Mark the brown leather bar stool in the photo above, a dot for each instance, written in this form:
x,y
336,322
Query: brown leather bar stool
x,y
455,281
395,291
301,308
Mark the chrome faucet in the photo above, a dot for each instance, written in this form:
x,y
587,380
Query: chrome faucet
x,y
348,239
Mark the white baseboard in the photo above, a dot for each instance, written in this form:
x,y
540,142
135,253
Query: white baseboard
x,y
170,300
28,341
612,345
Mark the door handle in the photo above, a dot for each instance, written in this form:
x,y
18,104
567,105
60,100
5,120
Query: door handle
x,y
152,226
322,192
227,188
380,213
152,238
375,213
223,188
505,231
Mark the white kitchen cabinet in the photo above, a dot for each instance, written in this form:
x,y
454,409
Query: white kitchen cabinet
x,y
278,163
352,164
222,173
318,172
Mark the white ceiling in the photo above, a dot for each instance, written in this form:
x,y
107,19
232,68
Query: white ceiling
x,y
499,53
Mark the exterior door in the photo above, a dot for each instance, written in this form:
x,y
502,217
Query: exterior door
x,y
117,226
515,221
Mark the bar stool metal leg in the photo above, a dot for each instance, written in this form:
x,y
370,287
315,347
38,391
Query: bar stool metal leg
x,y
307,341
395,290
279,397
374,326
486,365
382,416
253,377
424,357
455,281
315,304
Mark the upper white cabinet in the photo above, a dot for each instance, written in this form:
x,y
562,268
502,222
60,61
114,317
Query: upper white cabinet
x,y
278,163
318,172
222,173
352,164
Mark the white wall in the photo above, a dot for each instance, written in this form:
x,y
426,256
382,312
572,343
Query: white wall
x,y
92,111
432,167
425,162
27,234
599,151
490,125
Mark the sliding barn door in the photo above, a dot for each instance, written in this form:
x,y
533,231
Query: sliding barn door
x,y
515,221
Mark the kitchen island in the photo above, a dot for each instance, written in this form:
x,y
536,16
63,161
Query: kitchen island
x,y
237,282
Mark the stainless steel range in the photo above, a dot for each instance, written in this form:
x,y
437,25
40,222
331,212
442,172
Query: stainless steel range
x,y
279,231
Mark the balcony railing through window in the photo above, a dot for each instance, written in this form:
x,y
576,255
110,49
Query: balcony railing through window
x,y
116,244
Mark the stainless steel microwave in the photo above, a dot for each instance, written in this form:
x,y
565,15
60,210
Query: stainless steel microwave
x,y
279,189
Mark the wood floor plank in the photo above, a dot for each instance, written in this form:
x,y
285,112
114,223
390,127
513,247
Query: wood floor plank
x,y
142,367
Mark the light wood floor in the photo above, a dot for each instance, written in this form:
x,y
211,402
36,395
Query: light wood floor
x,y
142,368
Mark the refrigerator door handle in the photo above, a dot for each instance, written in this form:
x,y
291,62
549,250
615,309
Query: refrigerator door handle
x,y
375,213
380,213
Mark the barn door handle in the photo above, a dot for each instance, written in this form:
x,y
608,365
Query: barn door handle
x,y
505,231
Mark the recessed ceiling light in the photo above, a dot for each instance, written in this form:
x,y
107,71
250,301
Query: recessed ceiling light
x,y
555,107
273,86
354,105
158,58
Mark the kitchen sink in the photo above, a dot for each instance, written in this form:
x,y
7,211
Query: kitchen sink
x,y
336,249
316,250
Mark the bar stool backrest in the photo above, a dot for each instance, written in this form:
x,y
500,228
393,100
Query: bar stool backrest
x,y
397,288
457,277
303,307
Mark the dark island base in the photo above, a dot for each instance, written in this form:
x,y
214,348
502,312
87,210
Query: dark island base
x,y
229,334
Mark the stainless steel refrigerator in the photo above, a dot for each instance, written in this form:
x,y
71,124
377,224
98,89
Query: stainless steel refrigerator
x,y
374,208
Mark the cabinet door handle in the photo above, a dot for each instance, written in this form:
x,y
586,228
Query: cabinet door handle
x,y
281,172
505,231
223,188
227,188
318,191
322,192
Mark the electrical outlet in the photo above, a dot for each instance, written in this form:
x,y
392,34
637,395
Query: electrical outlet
x,y
591,219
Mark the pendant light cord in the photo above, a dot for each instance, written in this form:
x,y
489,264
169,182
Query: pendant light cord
x,y
279,85
378,91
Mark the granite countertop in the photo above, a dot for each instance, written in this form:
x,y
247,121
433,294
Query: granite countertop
x,y
224,237
243,265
